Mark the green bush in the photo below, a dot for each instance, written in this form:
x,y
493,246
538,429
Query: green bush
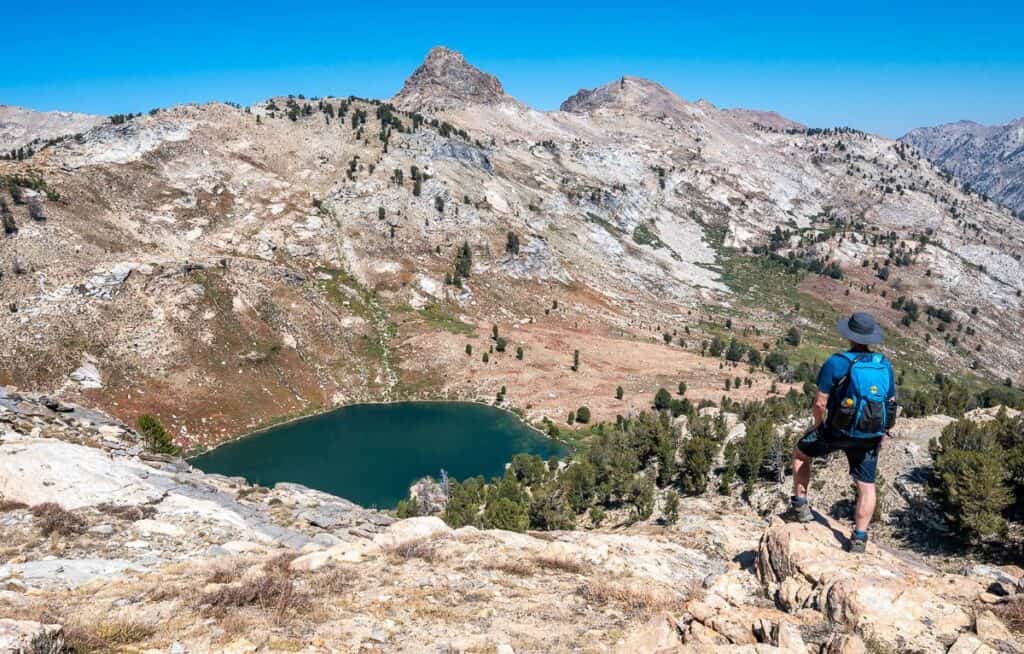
x,y
155,436
670,512
970,467
662,399
583,414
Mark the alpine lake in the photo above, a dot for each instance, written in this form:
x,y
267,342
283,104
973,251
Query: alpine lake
x,y
371,453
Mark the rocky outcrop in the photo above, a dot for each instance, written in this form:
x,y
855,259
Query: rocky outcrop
x,y
634,94
988,157
445,80
889,598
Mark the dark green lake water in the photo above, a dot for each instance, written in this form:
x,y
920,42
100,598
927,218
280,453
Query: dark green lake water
x,y
371,453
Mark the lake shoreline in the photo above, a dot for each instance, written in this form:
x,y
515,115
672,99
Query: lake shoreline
x,y
370,452
318,413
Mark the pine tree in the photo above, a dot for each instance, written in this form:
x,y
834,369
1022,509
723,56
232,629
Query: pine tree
x,y
662,400
670,512
511,242
10,227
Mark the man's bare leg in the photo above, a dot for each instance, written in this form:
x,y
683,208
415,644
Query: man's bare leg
x,y
865,505
801,473
801,479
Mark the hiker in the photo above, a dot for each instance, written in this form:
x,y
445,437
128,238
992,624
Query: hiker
x,y
853,410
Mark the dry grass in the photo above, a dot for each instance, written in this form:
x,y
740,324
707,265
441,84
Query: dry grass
x,y
273,592
279,563
224,572
53,518
1012,613
332,581
562,563
11,505
130,513
108,635
643,600
420,548
516,567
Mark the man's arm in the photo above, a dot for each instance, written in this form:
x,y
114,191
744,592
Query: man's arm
x,y
820,407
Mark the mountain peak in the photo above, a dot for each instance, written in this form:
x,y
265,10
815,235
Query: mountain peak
x,y
627,92
445,80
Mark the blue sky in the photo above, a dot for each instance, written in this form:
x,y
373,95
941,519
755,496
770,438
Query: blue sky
x,y
884,67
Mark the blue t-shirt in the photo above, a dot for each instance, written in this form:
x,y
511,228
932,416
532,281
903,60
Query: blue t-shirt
x,y
836,367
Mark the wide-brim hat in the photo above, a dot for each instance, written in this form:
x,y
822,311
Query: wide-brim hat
x,y
860,328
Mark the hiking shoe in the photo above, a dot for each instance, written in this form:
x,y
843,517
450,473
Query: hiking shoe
x,y
857,546
802,512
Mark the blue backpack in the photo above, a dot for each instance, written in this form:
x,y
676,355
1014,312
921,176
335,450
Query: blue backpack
x,y
863,407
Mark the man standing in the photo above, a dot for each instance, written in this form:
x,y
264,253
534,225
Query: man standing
x,y
853,410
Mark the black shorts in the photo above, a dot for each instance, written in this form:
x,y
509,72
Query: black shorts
x,y
861,453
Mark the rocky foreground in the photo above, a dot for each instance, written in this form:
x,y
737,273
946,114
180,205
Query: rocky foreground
x,y
107,548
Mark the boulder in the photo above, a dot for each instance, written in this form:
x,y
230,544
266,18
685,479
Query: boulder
x,y
968,643
893,600
844,644
993,632
412,529
659,635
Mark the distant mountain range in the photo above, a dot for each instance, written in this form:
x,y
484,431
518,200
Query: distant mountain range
x,y
21,127
222,266
990,158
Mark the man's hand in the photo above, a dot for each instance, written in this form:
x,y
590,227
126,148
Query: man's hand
x,y
820,408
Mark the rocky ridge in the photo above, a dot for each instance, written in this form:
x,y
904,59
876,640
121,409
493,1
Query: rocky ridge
x,y
20,127
988,157
147,554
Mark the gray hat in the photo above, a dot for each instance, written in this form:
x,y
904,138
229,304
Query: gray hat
x,y
860,328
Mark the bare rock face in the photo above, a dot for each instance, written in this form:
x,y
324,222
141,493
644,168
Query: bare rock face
x,y
445,80
989,158
630,93
20,126
887,597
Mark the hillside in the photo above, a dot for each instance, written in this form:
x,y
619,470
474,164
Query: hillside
x,y
107,547
224,267
20,127
990,158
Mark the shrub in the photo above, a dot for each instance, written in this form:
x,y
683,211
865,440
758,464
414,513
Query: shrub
x,y
971,472
511,240
716,347
409,508
735,351
53,518
500,344
662,399
583,414
618,392
519,352
670,512
682,388
155,436
793,336
10,227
